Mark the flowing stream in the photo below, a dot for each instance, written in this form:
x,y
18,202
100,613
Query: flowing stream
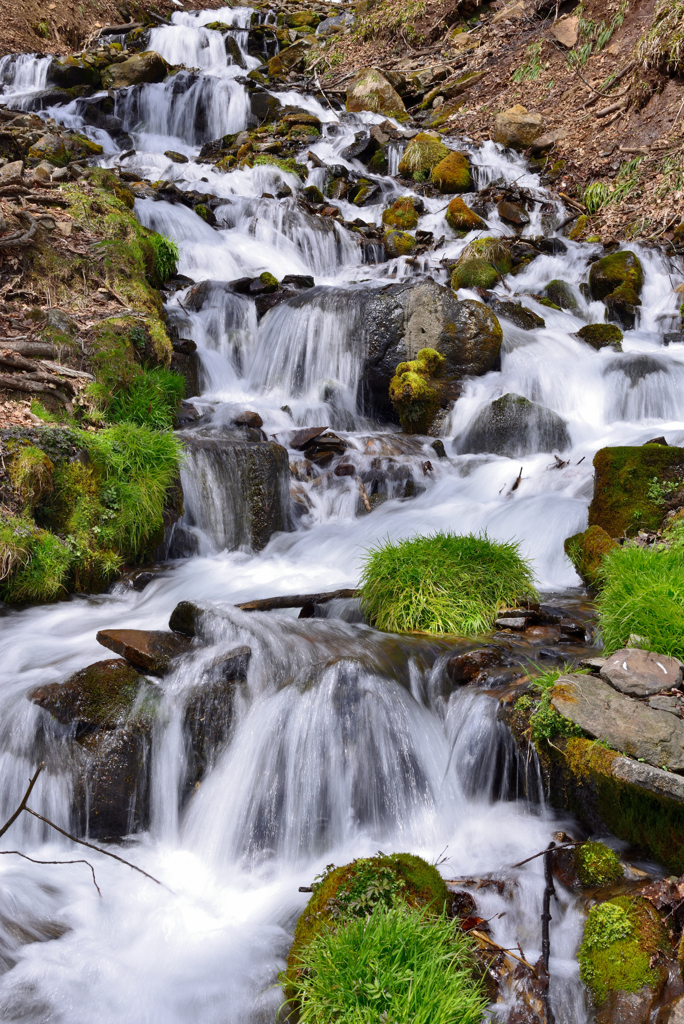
x,y
341,741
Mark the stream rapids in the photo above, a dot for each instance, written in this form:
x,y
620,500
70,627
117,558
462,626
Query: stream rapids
x,y
341,743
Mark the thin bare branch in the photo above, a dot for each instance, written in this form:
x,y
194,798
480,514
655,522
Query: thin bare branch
x,y
34,861
22,805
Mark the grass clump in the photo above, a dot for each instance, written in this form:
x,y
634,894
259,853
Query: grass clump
x,y
533,66
395,965
151,399
643,596
545,722
663,44
33,563
597,864
443,583
621,939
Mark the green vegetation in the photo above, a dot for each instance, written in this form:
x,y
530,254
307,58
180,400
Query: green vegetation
x,y
533,66
663,44
395,965
598,194
597,864
443,583
623,501
165,258
102,501
412,392
592,37
621,938
643,596
544,721
422,154
586,551
151,399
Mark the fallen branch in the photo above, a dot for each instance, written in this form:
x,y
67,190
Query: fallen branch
x,y
116,30
21,383
268,604
35,349
34,861
21,238
620,105
22,805
502,949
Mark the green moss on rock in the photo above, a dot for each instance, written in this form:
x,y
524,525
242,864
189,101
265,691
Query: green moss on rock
x,y
31,474
587,550
452,174
474,273
628,487
399,243
601,336
461,218
623,940
401,214
614,271
414,393
597,864
423,153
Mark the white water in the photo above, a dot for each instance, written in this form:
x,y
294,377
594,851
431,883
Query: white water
x,y
339,745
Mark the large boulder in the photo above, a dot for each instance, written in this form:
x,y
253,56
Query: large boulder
x,y
617,280
518,128
67,72
452,174
137,70
461,218
400,320
625,499
623,723
370,90
513,426
422,155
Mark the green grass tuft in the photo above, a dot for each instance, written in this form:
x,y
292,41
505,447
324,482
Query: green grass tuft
x,y
443,583
33,563
643,596
395,965
151,399
166,257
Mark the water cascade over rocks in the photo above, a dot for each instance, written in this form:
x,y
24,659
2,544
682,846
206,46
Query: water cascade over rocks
x,y
332,740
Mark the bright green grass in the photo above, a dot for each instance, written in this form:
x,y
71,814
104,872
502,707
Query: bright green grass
x,y
33,563
394,966
443,583
643,594
151,399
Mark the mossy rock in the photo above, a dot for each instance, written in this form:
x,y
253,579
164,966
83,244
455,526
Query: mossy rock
x,y
461,218
355,888
313,194
452,174
597,864
414,393
561,295
623,948
67,72
614,271
494,250
399,243
401,214
31,473
587,550
217,26
474,273
269,281
289,165
139,69
625,499
100,696
423,153
602,336
51,148
362,191
302,19
370,90
514,427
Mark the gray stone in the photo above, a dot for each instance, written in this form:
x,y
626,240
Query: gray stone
x,y
518,314
672,1013
15,169
664,702
593,664
370,90
621,722
641,673
517,127
509,622
646,776
513,426
138,69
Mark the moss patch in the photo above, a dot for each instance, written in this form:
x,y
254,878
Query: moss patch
x,y
401,214
625,497
460,217
621,937
597,864
602,335
474,273
587,550
399,243
414,393
420,156
452,174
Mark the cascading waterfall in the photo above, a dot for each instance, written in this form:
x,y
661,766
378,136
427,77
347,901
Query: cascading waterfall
x,y
339,741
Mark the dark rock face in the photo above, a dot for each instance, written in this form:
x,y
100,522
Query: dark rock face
x,y
518,314
108,709
149,650
238,492
514,426
184,618
400,320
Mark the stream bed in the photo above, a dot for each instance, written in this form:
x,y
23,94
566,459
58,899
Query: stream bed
x,y
343,741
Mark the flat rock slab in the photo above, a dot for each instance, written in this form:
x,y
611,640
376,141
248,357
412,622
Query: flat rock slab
x,y
641,673
625,724
150,650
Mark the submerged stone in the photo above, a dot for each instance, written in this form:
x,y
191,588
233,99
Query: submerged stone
x,y
513,426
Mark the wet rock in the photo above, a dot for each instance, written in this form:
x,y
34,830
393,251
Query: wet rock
x,y
617,280
209,710
587,550
400,320
184,618
248,418
627,1007
438,448
623,500
641,673
177,158
363,191
561,294
141,68
149,650
625,724
518,314
602,336
370,90
472,666
399,243
423,153
452,174
461,218
673,1013
518,128
97,697
67,72
514,213
403,213
513,426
